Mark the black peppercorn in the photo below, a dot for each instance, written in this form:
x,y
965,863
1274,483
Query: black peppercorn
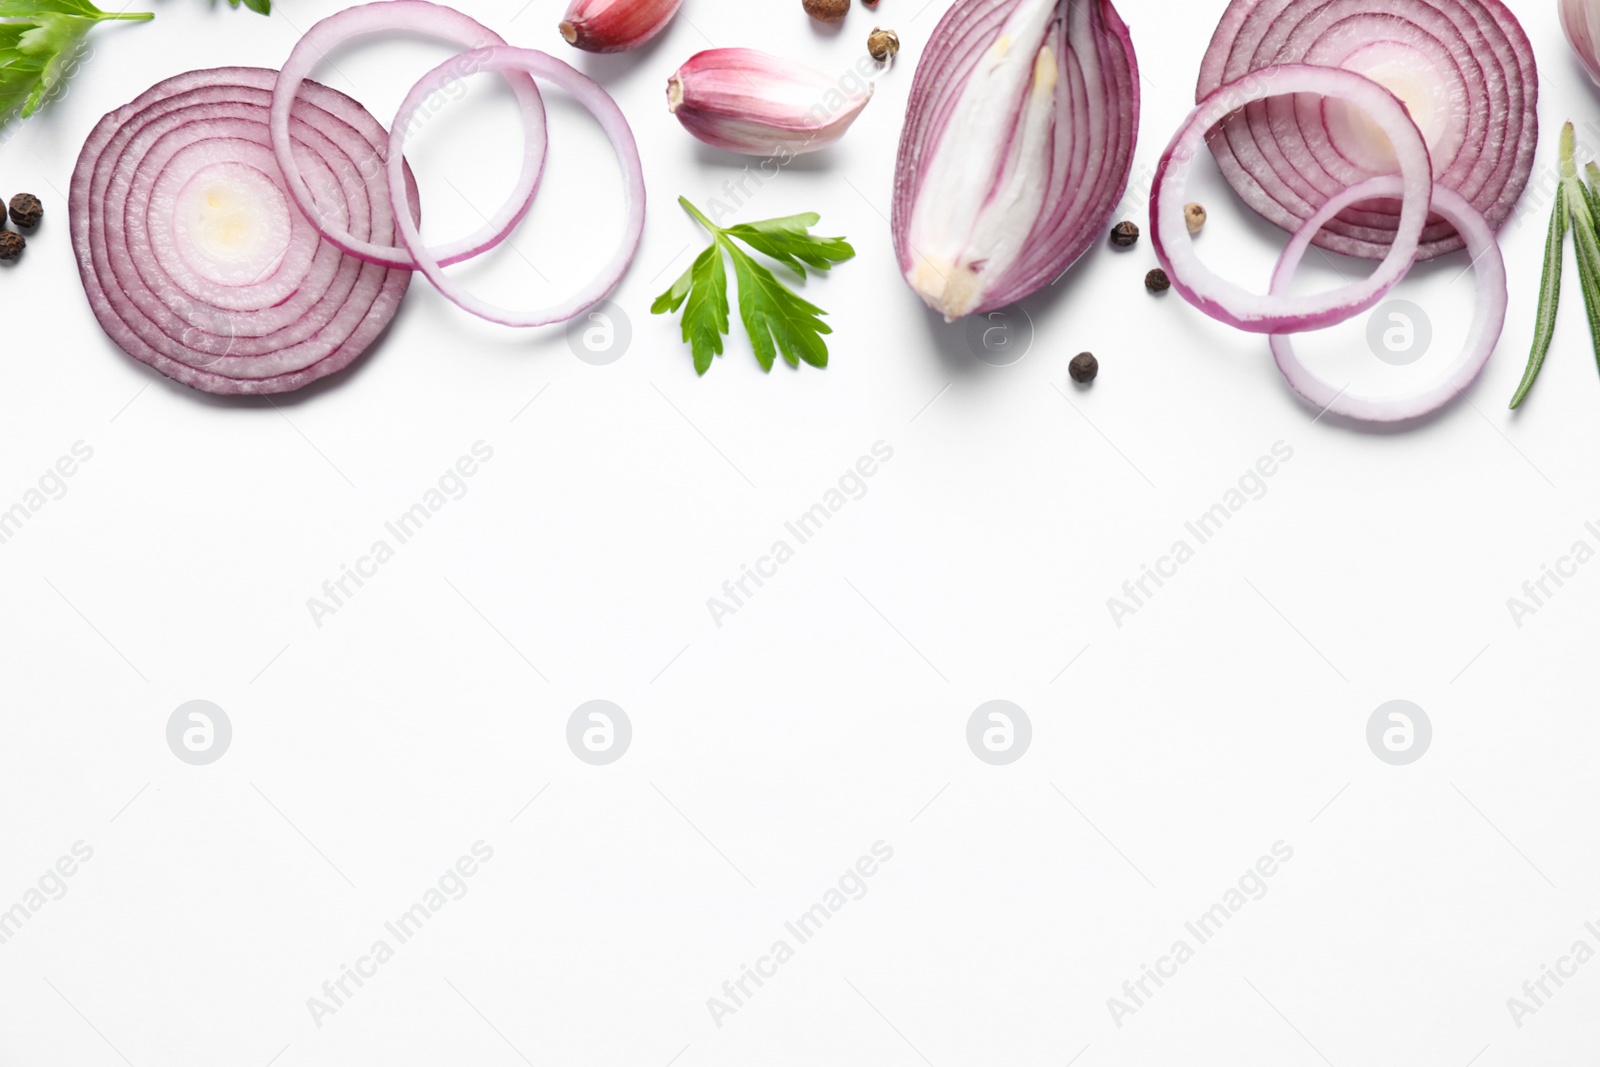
x,y
1124,234
26,211
1157,281
11,245
1083,368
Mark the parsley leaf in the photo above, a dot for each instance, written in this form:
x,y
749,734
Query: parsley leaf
x,y
776,318
41,43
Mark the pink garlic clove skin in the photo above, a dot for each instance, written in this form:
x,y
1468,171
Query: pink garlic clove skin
x,y
747,101
1580,21
615,25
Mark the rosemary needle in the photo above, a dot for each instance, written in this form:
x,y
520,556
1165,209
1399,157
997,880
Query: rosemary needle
x,y
1555,247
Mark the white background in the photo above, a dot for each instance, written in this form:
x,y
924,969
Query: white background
x,y
830,711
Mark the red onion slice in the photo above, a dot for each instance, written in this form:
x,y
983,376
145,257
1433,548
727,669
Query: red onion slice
x,y
611,120
434,20
165,309
1488,319
1464,68
1281,313
152,253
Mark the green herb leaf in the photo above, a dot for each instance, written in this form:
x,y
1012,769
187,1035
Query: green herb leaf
x,y
775,317
705,317
40,47
788,241
1555,245
772,312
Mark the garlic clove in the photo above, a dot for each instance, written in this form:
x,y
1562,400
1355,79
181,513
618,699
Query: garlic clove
x,y
1580,21
747,101
615,25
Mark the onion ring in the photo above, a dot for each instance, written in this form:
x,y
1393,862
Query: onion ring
x,y
1464,68
1488,318
1281,313
611,120
435,21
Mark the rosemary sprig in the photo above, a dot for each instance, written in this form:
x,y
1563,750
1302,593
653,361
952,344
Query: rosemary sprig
x,y
1578,207
1585,209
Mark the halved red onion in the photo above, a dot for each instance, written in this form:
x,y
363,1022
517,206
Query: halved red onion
x,y
191,257
1278,312
1488,316
1464,69
433,20
599,104
1017,146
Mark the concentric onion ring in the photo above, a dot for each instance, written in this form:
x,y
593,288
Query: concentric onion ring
x,y
1489,311
1278,312
191,258
599,103
418,16
1464,68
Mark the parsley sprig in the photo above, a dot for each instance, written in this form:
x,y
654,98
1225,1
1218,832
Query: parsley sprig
x,y
39,47
776,318
41,43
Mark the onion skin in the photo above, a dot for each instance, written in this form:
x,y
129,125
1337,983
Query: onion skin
x,y
757,104
1017,147
615,25
1580,21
